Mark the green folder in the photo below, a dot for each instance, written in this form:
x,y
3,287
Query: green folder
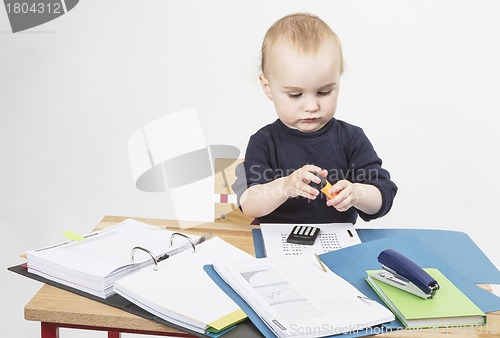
x,y
449,307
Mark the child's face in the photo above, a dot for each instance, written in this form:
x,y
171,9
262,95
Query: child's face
x,y
303,87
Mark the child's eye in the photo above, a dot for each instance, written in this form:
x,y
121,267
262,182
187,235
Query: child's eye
x,y
295,95
325,92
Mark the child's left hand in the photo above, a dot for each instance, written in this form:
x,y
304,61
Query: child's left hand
x,y
345,198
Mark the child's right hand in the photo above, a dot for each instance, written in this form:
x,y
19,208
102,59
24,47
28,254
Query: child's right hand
x,y
297,183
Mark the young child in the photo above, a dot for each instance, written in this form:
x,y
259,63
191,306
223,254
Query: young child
x,y
301,68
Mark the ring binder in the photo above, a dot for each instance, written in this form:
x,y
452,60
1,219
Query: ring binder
x,y
186,237
147,251
99,269
165,256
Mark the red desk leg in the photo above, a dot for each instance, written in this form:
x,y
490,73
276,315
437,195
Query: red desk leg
x,y
113,334
49,330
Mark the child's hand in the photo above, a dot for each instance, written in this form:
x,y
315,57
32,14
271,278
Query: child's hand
x,y
345,198
297,183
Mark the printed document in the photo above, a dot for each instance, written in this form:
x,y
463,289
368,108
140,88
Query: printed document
x,y
295,297
331,237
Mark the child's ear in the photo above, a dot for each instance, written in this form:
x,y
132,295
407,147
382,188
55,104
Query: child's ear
x,y
265,86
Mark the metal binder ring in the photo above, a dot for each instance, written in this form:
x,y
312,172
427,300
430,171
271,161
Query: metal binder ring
x,y
186,237
147,251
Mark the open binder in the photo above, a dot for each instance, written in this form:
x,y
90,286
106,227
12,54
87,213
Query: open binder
x,y
181,292
243,329
145,258
95,262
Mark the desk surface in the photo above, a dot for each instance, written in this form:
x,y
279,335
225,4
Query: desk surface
x,y
54,305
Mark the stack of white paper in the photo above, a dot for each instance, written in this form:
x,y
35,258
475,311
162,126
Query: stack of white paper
x,y
93,265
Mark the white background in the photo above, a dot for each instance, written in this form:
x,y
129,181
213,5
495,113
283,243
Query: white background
x,y
422,79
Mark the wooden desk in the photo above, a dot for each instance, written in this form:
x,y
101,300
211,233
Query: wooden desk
x,y
56,308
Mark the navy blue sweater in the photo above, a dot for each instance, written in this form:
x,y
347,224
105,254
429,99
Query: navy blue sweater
x,y
339,147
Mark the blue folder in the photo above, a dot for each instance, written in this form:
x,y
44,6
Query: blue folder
x,y
455,247
452,252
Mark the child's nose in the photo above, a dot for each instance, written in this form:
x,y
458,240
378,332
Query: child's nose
x,y
311,105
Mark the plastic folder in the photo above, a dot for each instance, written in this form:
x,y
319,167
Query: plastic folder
x,y
452,252
259,324
455,255
456,247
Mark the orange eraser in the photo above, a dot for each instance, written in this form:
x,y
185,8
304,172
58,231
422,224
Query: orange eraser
x,y
324,186
325,190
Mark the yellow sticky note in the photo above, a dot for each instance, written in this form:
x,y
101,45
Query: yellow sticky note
x,y
228,320
72,236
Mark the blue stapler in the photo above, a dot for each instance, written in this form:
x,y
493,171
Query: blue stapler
x,y
399,271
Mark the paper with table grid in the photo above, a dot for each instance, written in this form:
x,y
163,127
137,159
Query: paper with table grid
x,y
295,297
332,236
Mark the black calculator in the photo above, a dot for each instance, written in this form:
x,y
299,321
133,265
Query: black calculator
x,y
303,234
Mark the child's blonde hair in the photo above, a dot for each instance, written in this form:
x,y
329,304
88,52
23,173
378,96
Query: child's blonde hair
x,y
304,31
